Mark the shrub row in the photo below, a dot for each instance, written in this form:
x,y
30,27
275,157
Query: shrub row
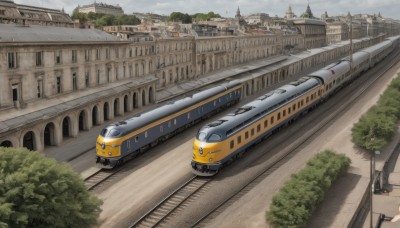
x,y
376,127
294,204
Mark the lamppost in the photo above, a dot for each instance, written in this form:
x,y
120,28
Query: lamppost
x,y
372,183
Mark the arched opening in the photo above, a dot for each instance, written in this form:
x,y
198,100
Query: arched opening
x,y
151,95
82,121
6,144
143,98
106,108
66,127
134,100
29,141
49,133
94,116
116,107
126,103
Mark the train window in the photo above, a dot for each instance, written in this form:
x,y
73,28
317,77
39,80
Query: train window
x,y
188,115
169,123
215,103
145,134
103,132
232,144
128,144
265,123
214,138
239,139
175,121
272,120
137,139
252,132
199,110
258,128
289,110
279,116
246,135
284,113
161,129
219,100
230,95
114,133
201,136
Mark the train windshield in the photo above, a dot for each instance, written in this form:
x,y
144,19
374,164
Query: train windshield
x,y
214,138
114,133
103,132
202,136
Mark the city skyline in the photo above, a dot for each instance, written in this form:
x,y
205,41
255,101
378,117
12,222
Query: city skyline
x,y
227,8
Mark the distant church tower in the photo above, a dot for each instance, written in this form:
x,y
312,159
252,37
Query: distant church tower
x,y
289,13
308,12
238,13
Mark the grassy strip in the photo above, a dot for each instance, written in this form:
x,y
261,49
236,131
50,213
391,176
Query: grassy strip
x,y
296,201
376,127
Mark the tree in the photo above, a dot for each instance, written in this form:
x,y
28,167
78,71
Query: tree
x,y
178,16
38,192
76,15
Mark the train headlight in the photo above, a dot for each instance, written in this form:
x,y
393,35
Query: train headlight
x,y
109,153
103,146
201,150
210,159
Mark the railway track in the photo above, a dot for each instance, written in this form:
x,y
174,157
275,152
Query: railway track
x,y
171,203
213,212
99,177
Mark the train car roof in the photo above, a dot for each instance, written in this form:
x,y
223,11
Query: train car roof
x,y
330,71
265,103
377,47
143,119
358,57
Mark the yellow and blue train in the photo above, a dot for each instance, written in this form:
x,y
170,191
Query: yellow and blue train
x,y
123,140
223,140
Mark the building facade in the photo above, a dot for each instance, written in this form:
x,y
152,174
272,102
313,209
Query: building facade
x,y
31,15
336,31
313,31
101,8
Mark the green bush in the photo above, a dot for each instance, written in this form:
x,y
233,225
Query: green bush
x,y
296,201
38,192
376,127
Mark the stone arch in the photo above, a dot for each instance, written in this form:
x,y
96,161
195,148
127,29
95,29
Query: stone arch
x,y
248,89
29,140
116,107
6,143
83,123
126,103
143,98
134,100
95,115
106,111
151,95
49,134
66,127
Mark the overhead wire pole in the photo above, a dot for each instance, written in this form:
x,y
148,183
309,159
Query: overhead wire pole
x,y
351,42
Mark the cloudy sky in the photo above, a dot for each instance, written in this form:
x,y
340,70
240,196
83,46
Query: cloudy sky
x,y
227,8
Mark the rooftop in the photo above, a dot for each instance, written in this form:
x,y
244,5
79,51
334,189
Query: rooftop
x,y
37,33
